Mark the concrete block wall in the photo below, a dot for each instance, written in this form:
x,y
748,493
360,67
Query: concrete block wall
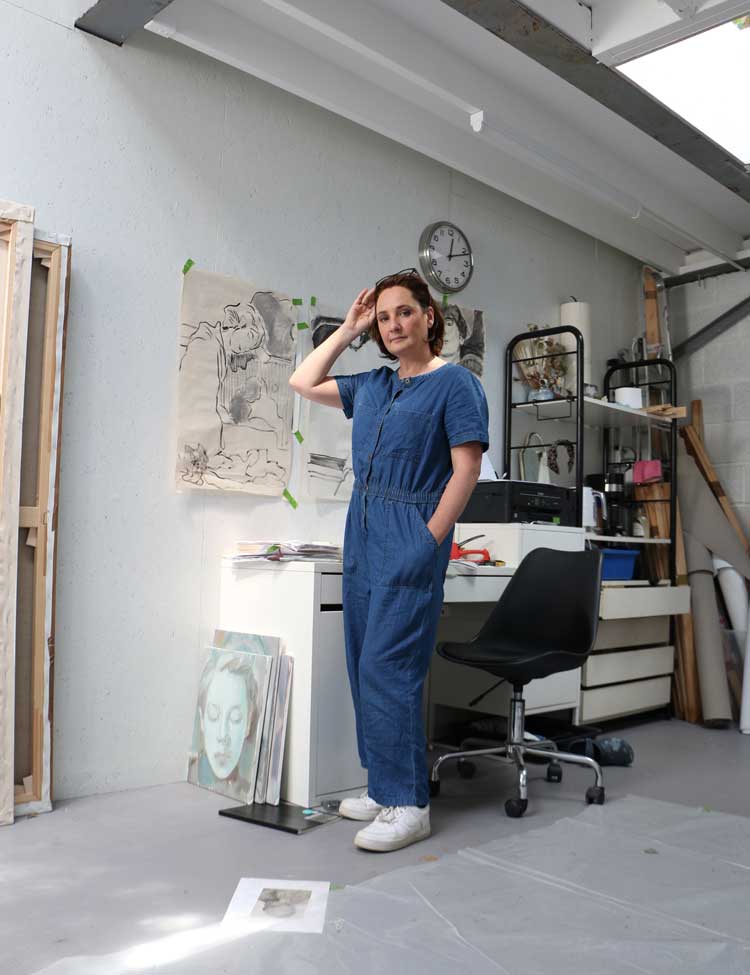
x,y
719,374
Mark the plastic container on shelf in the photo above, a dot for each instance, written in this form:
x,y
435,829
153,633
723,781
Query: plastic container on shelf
x,y
618,564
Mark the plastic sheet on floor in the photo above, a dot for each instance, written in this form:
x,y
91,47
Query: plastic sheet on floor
x,y
636,886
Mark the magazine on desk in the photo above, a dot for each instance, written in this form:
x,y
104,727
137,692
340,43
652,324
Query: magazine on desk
x,y
281,550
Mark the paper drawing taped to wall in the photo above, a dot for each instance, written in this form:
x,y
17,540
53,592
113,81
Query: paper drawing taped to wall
x,y
463,342
327,448
235,404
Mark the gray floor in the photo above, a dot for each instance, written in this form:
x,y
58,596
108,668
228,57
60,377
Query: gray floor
x,y
107,873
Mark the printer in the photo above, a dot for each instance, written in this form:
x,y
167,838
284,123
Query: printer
x,y
520,501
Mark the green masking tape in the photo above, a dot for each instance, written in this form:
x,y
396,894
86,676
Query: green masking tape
x,y
289,498
296,301
445,301
299,436
301,325
187,265
313,301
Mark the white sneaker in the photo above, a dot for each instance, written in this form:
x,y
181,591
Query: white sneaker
x,y
395,827
362,808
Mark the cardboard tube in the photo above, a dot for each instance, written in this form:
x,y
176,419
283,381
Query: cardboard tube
x,y
745,704
716,705
734,592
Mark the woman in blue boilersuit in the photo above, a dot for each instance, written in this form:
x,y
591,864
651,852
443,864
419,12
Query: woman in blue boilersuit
x,y
418,435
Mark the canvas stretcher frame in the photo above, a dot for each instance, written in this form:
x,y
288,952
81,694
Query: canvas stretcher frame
x,y
40,519
17,241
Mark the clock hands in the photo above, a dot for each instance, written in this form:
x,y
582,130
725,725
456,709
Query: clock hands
x,y
450,256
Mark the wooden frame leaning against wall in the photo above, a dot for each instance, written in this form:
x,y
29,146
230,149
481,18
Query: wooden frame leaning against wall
x,y
40,463
16,255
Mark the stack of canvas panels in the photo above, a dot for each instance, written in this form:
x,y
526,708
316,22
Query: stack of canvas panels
x,y
241,715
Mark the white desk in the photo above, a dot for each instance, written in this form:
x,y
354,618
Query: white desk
x,y
301,602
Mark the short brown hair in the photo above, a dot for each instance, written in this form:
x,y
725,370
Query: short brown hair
x,y
421,294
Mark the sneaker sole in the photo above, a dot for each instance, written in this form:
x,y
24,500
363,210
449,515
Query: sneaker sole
x,y
388,846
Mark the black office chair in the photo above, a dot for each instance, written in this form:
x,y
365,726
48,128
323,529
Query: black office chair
x,y
545,622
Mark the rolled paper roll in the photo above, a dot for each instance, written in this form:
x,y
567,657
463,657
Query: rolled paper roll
x,y
578,314
734,591
745,700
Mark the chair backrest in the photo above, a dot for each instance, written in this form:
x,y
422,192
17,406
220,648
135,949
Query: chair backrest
x,y
551,602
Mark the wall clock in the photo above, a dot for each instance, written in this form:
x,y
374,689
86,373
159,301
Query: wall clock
x,y
445,256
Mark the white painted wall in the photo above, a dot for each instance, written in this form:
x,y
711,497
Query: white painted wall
x,y
719,375
148,155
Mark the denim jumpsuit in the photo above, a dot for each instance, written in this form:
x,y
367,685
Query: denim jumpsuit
x,y
394,569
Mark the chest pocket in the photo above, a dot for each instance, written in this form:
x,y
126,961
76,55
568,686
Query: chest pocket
x,y
364,425
406,433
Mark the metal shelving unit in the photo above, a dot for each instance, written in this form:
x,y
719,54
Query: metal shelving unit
x,y
572,401
585,412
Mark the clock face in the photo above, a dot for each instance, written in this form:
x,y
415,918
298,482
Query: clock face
x,y
446,257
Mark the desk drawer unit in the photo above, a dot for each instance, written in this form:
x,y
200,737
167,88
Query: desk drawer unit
x,y
632,664
627,665
617,700
632,602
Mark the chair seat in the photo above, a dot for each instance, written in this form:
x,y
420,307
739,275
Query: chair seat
x,y
517,664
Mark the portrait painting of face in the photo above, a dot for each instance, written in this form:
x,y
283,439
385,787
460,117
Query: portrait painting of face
x,y
232,701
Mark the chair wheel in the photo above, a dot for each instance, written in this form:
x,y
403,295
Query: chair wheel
x,y
515,808
554,772
595,795
434,788
466,769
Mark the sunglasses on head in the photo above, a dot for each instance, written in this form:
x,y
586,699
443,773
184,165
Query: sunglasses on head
x,y
407,271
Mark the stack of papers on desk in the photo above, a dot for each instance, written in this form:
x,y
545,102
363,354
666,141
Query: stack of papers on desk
x,y
281,551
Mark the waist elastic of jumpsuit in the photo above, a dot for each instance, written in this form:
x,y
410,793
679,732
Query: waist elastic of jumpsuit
x,y
397,494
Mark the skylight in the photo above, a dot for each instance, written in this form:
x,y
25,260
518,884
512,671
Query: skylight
x,y
705,80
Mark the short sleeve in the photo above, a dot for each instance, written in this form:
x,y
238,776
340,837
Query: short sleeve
x,y
466,415
348,388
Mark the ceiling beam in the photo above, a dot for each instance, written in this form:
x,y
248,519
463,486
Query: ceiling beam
x,y
116,20
514,23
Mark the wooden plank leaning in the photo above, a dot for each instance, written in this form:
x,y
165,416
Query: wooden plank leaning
x,y
16,255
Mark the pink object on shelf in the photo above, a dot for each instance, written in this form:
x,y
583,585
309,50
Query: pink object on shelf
x,y
647,471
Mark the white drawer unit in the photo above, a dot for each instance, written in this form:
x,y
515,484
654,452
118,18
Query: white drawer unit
x,y
618,700
645,631
618,666
300,602
631,667
631,602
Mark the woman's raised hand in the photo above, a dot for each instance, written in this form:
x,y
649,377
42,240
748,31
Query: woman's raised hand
x,y
362,313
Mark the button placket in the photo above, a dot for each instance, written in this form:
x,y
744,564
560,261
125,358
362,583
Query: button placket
x,y
377,436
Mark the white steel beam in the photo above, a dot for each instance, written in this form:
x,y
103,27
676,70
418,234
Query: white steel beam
x,y
623,31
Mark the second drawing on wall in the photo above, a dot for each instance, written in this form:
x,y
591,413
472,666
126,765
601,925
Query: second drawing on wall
x,y
327,472
235,404
463,342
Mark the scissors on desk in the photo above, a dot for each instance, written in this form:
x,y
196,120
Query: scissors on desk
x,y
469,554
